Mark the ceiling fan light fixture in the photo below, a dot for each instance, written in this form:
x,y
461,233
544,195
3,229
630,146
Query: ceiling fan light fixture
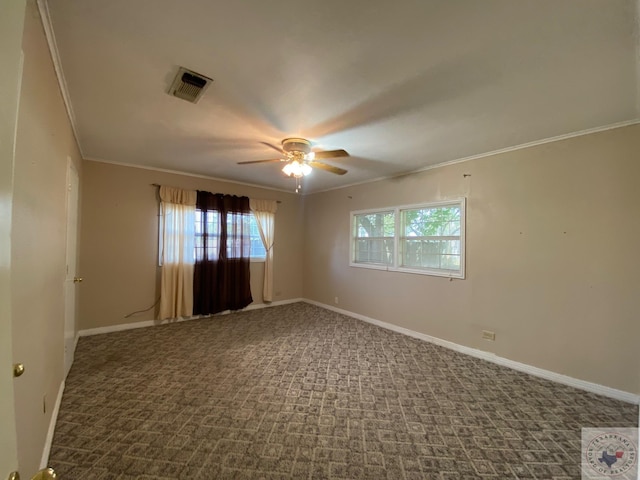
x,y
296,169
300,160
288,169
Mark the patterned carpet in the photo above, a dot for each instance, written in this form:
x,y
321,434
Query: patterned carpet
x,y
297,391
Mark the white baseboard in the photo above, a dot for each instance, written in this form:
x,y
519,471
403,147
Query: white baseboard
x,y
151,323
52,426
522,367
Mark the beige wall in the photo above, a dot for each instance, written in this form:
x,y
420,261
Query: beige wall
x,y
119,238
552,262
44,141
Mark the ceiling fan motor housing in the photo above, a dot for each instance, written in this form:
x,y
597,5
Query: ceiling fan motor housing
x,y
296,145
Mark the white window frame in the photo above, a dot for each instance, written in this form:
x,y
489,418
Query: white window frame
x,y
395,266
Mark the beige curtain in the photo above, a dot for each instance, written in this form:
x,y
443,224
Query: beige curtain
x,y
264,211
178,211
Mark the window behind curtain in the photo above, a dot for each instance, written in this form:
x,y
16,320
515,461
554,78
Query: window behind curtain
x,y
210,222
177,221
222,253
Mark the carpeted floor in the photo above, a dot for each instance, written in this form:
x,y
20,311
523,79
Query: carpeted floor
x,y
297,391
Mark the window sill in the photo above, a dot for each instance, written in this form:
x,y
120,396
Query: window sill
x,y
415,271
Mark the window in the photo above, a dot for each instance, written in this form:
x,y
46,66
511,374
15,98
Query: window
x,y
258,252
426,239
374,238
212,219
430,238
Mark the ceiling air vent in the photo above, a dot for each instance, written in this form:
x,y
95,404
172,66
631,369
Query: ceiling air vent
x,y
189,85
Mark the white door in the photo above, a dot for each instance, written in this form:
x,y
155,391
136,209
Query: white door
x,y
11,21
71,279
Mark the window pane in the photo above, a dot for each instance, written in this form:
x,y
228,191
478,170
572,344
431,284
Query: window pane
x,y
435,221
431,238
374,250
206,246
451,262
213,225
242,228
257,247
235,233
374,238
375,225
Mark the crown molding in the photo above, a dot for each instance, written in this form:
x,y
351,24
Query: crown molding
x,y
184,174
43,9
522,146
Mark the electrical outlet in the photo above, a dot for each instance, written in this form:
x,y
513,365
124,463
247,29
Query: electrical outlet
x,y
336,301
488,335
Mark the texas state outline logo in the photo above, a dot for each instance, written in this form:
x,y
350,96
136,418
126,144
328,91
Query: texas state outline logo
x,y
610,453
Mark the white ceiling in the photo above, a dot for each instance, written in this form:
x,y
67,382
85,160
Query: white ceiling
x,y
399,85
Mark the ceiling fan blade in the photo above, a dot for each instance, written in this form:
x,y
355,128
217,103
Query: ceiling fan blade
x,y
328,168
331,154
277,149
262,161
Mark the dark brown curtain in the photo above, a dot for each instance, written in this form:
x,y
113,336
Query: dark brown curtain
x,y
221,276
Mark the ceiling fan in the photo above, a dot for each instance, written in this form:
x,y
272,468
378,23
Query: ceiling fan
x,y
300,160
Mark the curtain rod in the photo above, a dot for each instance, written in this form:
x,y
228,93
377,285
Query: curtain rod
x,y
157,185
